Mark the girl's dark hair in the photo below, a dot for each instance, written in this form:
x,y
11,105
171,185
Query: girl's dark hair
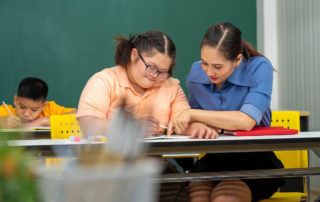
x,y
33,88
227,38
144,43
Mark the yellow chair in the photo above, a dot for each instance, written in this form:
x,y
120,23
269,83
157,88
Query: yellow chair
x,y
290,159
62,127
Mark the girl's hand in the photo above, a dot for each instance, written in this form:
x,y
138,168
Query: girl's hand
x,y
151,125
180,122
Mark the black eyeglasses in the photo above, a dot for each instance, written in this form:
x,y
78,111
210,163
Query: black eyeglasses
x,y
152,70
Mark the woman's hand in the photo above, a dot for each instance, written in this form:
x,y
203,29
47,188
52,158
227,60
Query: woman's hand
x,y
202,131
180,122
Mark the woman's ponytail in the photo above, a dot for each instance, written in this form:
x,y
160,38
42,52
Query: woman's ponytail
x,y
248,51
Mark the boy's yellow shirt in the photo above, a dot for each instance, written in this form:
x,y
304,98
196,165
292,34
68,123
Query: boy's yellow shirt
x,y
51,109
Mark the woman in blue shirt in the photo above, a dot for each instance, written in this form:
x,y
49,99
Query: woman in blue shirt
x,y
230,88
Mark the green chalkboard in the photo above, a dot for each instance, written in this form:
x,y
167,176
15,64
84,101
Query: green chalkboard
x,y
64,42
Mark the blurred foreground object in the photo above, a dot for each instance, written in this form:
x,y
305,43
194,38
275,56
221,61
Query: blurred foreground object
x,y
115,183
17,181
115,171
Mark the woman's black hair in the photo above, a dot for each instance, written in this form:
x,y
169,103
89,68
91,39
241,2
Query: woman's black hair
x,y
144,43
227,38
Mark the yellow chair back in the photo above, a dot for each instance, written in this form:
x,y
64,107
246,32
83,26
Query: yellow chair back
x,y
64,126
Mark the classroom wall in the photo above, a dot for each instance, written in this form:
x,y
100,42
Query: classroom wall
x,y
64,42
299,48
267,41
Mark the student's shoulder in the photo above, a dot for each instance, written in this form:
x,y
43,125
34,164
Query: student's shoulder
x,y
4,111
171,86
171,82
107,76
53,108
108,73
51,105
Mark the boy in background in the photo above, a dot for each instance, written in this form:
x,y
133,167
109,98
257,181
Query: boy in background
x,y
31,108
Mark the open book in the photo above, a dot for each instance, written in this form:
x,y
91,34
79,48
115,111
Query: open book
x,y
38,128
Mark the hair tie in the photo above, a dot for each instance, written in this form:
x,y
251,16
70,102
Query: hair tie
x,y
132,40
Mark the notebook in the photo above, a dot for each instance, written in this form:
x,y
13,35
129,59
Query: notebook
x,y
162,136
262,131
26,129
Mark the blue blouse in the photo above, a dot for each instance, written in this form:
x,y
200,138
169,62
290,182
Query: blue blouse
x,y
248,89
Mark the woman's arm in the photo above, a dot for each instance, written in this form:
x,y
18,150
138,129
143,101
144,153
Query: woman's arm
x,y
230,120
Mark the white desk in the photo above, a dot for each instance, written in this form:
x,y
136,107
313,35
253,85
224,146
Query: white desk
x,y
301,141
224,144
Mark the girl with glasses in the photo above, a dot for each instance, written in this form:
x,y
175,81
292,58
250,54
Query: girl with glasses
x,y
230,88
142,76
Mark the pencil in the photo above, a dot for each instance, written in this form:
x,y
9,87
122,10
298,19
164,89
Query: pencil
x,y
7,107
163,126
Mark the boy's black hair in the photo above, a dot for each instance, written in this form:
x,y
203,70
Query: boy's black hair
x,y
33,88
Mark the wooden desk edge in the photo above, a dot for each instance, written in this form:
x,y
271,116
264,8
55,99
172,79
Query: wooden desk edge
x,y
304,113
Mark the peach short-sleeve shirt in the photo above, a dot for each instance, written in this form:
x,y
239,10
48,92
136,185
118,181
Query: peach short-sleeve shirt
x,y
105,90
